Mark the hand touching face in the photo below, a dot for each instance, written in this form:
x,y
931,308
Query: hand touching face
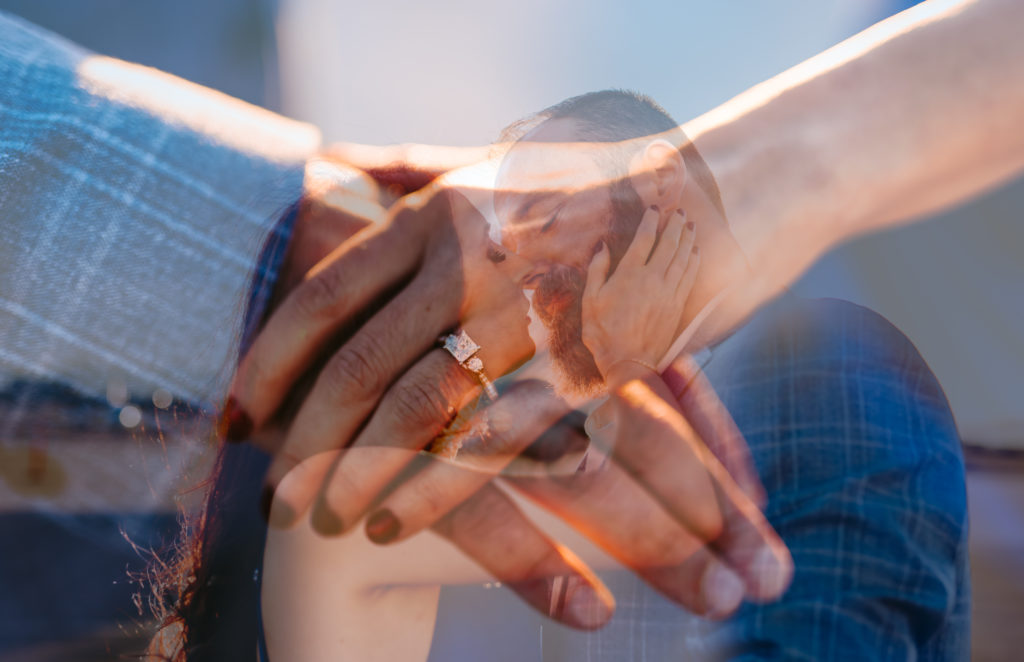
x,y
634,315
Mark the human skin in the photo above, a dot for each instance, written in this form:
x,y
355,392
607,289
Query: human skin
x,y
389,594
913,115
944,84
305,580
351,384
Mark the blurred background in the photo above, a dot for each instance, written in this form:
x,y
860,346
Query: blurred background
x,y
455,72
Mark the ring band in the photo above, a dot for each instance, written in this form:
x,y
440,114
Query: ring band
x,y
463,349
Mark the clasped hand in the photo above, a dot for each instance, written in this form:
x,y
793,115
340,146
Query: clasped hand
x,y
345,385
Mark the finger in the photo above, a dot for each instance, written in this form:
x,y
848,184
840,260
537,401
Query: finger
x,y
668,244
413,412
662,453
354,379
518,419
710,419
329,180
686,283
326,223
747,543
597,272
646,233
342,286
491,530
722,515
684,252
417,408
610,508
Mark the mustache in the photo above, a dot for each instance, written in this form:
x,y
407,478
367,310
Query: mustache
x,y
558,301
559,293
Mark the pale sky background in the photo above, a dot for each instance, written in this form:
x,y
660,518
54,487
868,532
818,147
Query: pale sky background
x,y
456,72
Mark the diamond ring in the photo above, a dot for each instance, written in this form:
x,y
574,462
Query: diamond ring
x,y
464,350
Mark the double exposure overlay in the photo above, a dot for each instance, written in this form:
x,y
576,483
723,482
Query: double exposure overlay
x,y
487,355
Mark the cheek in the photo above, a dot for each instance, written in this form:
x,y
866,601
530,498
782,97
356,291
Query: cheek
x,y
588,224
582,247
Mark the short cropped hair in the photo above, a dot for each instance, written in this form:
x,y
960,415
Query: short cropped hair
x,y
616,115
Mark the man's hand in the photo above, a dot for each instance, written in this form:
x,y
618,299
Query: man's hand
x,y
363,324
681,514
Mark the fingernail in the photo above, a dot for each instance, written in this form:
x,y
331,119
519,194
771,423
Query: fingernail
x,y
655,208
583,463
234,424
690,225
723,590
584,606
696,250
277,514
382,527
769,576
326,521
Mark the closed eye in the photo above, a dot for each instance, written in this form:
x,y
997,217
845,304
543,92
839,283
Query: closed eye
x,y
554,217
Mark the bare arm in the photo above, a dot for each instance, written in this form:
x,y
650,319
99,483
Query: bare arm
x,y
917,113
913,115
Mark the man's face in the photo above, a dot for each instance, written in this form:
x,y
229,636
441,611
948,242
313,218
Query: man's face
x,y
555,207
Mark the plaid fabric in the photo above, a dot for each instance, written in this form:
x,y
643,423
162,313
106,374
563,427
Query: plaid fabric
x,y
858,450
133,207
859,454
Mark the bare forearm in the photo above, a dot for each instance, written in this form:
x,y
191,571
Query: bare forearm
x,y
912,115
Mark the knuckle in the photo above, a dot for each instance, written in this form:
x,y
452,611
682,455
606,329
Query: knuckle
x,y
353,371
657,547
420,406
320,297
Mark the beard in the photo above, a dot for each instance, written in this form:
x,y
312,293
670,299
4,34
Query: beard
x,y
558,299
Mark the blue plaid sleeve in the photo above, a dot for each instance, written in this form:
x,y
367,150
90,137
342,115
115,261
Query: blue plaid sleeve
x,y
134,205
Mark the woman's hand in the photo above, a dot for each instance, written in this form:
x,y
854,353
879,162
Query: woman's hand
x,y
363,326
634,315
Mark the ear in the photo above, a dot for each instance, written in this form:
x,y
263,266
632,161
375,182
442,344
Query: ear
x,y
658,174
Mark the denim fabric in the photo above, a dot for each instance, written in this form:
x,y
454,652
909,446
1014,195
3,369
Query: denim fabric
x,y
859,454
133,206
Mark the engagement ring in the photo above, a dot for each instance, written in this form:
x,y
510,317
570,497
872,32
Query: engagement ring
x,y
464,350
